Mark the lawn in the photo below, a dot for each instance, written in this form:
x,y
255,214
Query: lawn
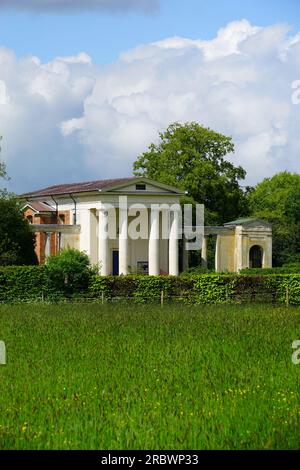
x,y
129,376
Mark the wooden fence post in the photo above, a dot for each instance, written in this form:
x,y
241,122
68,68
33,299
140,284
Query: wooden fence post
x,y
287,297
162,298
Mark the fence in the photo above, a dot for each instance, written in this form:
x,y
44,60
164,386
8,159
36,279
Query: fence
x,y
21,284
267,297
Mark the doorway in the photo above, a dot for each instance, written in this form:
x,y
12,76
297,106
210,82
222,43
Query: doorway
x,y
115,262
255,257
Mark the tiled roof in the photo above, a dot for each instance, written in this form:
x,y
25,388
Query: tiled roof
x,y
78,187
41,207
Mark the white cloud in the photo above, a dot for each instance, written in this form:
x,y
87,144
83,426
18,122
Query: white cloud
x,y
73,5
71,120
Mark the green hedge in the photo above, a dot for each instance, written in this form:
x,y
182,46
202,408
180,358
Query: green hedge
x,y
292,269
206,288
30,283
22,283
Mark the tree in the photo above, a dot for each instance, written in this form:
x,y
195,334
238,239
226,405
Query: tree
x,y
3,173
17,241
277,200
192,157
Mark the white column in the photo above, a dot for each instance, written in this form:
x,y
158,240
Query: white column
x,y
59,242
154,243
88,233
217,255
173,245
47,244
123,240
239,248
267,252
103,242
204,252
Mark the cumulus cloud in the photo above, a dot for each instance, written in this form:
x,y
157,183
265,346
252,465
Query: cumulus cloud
x,y
73,5
70,120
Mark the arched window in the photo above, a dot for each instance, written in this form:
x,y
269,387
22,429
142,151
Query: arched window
x,y
255,257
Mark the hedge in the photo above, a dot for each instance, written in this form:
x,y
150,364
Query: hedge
x,y
30,283
22,283
206,288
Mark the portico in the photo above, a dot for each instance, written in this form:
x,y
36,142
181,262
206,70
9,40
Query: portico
x,y
133,222
106,230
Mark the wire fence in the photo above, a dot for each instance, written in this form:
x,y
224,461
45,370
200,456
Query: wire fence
x,y
163,298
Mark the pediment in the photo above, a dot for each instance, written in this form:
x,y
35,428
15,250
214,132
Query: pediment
x,y
142,185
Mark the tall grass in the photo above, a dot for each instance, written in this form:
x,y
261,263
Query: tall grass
x,y
146,377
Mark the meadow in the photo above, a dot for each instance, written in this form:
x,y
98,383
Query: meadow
x,y
128,376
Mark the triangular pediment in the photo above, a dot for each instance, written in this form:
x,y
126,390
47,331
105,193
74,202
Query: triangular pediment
x,y
141,185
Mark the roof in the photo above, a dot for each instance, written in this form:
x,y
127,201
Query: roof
x,y
246,221
78,187
92,186
40,207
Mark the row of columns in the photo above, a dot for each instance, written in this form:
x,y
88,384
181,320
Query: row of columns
x,y
48,243
204,253
88,221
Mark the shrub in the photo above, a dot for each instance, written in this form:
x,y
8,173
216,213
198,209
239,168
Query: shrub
x,y
68,272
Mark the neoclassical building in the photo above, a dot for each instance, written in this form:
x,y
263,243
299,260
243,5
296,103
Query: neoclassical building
x,y
134,225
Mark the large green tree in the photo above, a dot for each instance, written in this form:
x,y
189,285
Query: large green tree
x,y
277,200
16,238
17,241
193,157
3,173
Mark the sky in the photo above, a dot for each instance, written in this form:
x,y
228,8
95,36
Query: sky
x,y
86,85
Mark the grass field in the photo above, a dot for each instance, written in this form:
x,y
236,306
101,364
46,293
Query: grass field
x,y
146,377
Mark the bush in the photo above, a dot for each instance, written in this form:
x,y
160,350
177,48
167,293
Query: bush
x,y
68,272
22,283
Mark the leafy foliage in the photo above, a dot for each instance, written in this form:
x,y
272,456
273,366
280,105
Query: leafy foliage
x,y
277,200
192,157
205,288
3,172
22,283
69,271
17,241
75,279
293,268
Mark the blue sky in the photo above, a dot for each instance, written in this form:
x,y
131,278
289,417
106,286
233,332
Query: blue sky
x,y
84,91
104,35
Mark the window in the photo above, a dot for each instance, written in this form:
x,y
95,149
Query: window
x,y
29,218
142,267
140,187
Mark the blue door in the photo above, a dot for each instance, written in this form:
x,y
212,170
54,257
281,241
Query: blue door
x,y
115,262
